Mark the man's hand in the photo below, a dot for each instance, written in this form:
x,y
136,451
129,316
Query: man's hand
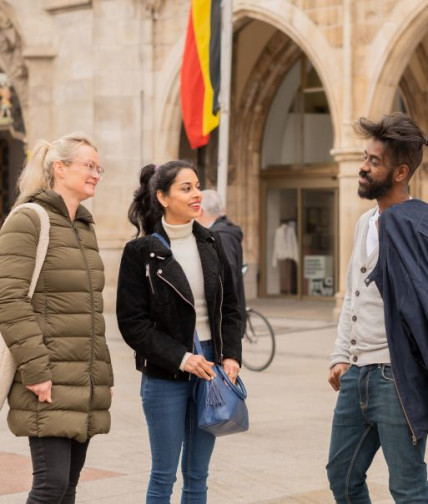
x,y
335,373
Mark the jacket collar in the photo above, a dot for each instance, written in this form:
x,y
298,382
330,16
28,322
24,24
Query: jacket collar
x,y
55,202
173,272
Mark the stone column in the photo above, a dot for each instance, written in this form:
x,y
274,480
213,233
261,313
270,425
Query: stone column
x,y
351,206
40,64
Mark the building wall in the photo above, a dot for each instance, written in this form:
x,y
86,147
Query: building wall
x,y
111,68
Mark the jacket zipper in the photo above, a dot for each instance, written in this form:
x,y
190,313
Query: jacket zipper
x,y
414,439
91,360
221,321
187,301
149,277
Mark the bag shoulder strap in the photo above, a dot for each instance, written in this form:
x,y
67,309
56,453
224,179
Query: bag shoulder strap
x,y
42,245
162,239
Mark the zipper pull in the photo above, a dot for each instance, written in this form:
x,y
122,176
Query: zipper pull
x,y
149,278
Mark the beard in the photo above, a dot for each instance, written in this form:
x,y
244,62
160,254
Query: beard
x,y
375,189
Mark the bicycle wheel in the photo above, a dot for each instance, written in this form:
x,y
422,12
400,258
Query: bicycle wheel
x,y
258,343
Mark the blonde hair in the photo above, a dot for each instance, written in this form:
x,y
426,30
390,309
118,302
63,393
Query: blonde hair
x,y
38,172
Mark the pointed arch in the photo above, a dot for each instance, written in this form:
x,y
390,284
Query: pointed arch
x,y
399,38
288,19
294,22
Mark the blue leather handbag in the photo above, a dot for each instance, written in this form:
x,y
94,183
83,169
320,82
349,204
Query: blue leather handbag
x,y
220,404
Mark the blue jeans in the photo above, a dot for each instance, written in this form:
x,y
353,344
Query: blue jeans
x,y
171,420
369,415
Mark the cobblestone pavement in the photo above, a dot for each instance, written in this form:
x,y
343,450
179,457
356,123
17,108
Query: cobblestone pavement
x,y
279,461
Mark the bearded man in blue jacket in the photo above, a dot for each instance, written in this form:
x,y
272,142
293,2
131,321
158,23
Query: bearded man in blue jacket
x,y
379,363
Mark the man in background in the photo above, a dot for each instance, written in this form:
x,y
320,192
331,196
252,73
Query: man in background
x,y
213,217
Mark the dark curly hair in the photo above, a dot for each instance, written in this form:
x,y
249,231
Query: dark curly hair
x,y
145,209
402,136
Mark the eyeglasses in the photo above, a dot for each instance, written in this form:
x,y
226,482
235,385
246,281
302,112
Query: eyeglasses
x,y
93,169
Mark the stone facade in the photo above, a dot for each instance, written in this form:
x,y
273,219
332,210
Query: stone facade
x,y
111,68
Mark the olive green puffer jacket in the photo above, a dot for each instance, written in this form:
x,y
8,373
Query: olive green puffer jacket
x,y
59,334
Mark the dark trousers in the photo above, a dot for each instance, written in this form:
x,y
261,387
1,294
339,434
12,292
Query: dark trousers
x,y
57,463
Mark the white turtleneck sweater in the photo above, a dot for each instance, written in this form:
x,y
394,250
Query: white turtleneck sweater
x,y
186,253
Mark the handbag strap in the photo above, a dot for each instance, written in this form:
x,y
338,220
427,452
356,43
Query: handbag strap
x,y
198,346
162,239
43,243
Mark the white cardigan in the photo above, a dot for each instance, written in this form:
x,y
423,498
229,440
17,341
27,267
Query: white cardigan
x,y
361,334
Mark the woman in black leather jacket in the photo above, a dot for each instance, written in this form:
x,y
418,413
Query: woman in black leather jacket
x,y
174,281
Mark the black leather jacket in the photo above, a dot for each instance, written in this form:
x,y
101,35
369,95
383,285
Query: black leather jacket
x,y
155,305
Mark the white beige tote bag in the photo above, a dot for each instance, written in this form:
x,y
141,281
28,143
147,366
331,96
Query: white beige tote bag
x,y
7,364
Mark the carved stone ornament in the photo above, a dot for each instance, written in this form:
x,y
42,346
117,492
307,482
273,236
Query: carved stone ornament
x,y
153,6
5,21
11,47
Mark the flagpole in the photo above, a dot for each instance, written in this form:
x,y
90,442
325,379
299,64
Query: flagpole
x,y
225,82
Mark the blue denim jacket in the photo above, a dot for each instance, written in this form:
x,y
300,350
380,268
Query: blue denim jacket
x,y
401,275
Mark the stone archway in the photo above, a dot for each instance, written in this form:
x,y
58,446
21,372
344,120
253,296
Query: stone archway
x,y
167,111
400,36
248,120
288,19
294,22
414,92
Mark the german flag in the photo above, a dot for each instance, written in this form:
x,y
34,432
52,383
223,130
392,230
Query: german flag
x,y
200,71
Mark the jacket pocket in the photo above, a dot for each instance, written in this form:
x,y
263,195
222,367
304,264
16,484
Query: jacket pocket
x,y
387,374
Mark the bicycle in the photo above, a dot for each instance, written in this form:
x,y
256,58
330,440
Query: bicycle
x,y
258,342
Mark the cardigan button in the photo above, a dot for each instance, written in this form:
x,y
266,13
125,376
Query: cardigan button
x,y
355,358
363,269
357,293
354,318
160,271
152,254
353,342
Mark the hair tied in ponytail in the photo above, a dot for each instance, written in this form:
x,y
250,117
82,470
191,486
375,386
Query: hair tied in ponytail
x,y
157,167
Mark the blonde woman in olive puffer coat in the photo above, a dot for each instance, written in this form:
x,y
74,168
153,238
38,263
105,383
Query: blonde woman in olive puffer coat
x,y
62,388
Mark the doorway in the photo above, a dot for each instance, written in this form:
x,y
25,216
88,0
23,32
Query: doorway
x,y
299,233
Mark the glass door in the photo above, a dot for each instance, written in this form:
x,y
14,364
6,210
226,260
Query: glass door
x,y
299,249
282,249
318,242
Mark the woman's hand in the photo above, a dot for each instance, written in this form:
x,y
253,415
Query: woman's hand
x,y
199,366
42,390
231,368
